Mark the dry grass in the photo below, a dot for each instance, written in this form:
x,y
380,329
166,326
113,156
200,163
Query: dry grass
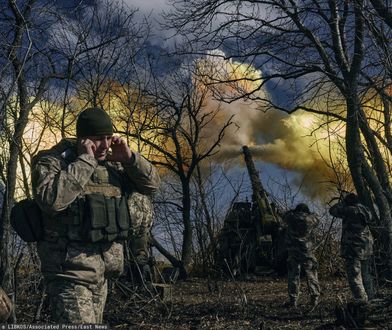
x,y
255,303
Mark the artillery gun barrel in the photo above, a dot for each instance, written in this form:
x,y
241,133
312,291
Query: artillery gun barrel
x,y
253,175
259,194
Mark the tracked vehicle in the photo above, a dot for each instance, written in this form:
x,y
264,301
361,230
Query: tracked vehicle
x,y
252,239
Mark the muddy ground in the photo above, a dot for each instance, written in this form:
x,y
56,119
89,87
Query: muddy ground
x,y
255,303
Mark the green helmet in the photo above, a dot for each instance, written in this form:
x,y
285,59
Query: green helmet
x,y
302,207
351,199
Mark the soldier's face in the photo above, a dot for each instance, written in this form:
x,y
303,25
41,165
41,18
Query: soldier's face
x,y
102,144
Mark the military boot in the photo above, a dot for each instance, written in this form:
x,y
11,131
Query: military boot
x,y
146,273
314,301
142,270
141,259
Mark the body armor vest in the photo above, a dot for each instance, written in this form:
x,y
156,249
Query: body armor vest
x,y
99,214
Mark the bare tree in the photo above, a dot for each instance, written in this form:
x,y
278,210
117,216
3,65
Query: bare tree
x,y
100,69
21,58
215,192
181,136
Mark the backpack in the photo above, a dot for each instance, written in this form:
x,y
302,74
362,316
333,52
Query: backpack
x,y
26,220
26,216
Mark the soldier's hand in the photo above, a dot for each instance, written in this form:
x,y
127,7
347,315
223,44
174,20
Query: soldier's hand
x,y
120,151
87,147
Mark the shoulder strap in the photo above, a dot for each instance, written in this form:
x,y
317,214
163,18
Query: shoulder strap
x,y
57,149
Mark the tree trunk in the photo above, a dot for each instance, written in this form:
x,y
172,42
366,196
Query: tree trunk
x,y
186,216
354,147
173,260
364,179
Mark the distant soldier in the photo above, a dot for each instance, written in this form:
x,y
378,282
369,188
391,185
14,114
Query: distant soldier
x,y
300,246
356,245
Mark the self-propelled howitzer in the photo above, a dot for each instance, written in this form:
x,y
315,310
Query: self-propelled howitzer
x,y
252,238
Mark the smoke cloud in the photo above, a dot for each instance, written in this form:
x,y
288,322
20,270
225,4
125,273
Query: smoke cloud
x,y
289,141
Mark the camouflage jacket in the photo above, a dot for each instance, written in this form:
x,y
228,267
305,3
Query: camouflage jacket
x,y
300,234
59,176
357,240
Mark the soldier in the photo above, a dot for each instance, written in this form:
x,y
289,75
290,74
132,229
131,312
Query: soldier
x,y
83,189
356,245
300,246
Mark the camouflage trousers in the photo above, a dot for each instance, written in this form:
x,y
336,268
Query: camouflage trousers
x,y
77,303
359,278
309,266
76,277
142,215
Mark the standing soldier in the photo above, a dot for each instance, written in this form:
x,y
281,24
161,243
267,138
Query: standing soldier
x,y
356,245
300,246
83,190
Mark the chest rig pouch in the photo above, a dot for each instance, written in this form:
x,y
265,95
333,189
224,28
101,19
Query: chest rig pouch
x,y
101,213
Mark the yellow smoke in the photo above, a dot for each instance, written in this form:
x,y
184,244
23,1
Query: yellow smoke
x,y
293,148
301,142
289,141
